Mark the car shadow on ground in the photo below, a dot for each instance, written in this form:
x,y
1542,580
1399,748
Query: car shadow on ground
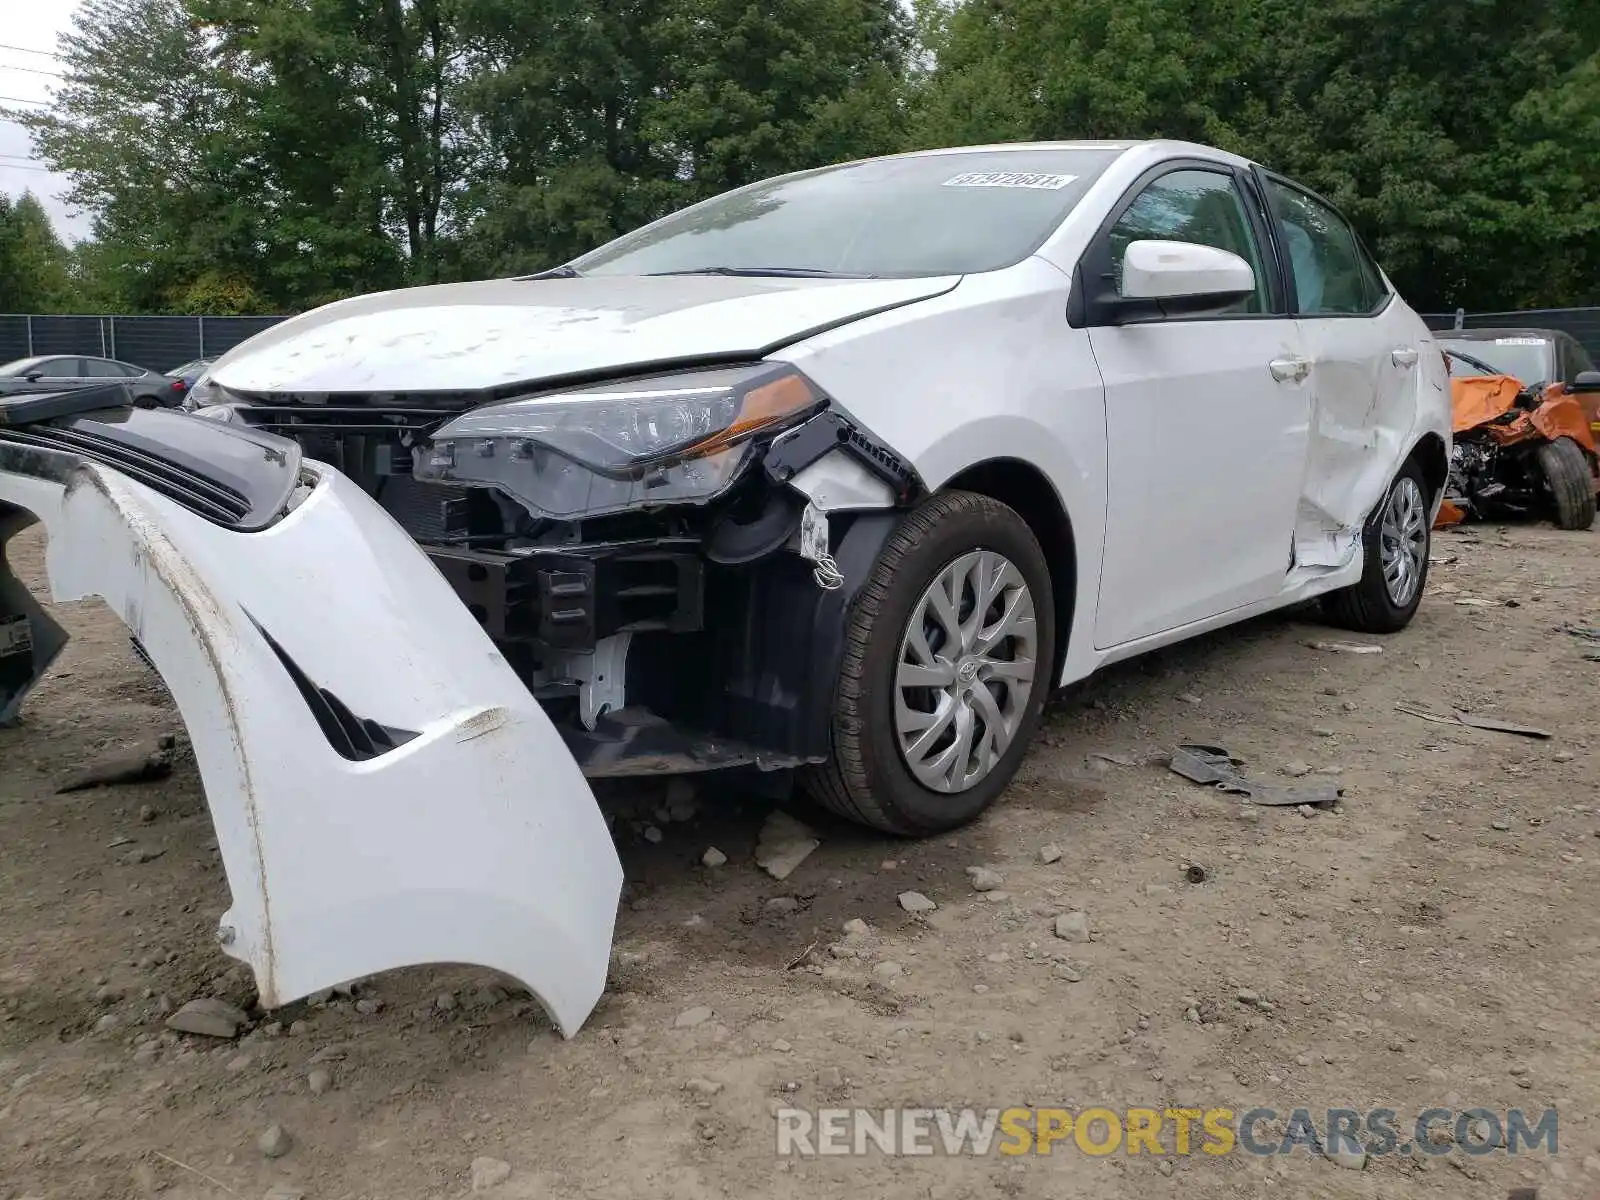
x,y
737,915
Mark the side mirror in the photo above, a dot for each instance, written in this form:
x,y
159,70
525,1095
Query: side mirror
x,y
1185,277
34,376
1587,381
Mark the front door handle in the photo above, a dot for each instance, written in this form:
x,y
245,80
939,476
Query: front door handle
x,y
1285,370
1405,356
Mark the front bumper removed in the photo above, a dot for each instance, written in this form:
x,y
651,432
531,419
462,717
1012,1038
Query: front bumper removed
x,y
385,791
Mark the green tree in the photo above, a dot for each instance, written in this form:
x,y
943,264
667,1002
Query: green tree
x,y
591,117
33,262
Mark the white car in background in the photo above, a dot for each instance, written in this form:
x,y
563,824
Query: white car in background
x,y
835,476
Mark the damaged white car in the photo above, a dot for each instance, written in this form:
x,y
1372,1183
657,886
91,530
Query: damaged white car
x,y
831,478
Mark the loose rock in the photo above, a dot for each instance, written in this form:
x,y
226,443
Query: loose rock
x,y
1502,825
488,1173
887,970
984,879
1344,1156
703,1087
653,835
446,1002
690,1017
713,857
1049,854
274,1141
916,902
208,1017
1069,973
319,1080
783,844
1296,769
284,1191
856,927
681,803
1308,810
151,760
1073,926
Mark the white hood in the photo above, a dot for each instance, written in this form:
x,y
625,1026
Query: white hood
x,y
470,336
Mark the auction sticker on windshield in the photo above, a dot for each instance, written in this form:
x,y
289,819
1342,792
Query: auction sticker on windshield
x,y
1010,179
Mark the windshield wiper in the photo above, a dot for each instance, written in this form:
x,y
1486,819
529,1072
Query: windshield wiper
x,y
781,272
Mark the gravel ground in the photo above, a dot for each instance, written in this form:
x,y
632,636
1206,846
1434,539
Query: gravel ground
x,y
1428,942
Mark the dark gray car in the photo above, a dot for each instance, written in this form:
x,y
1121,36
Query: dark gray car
x,y
149,389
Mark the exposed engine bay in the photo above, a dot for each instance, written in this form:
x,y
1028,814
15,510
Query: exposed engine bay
x,y
679,613
1518,449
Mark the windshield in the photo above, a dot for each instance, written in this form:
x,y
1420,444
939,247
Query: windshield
x,y
1526,359
18,366
938,214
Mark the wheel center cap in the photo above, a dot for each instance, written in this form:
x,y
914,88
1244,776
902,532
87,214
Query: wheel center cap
x,y
967,671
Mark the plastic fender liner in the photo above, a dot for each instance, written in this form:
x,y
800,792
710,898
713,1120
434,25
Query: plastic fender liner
x,y
476,841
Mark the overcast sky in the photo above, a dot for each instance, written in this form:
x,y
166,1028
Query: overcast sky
x,y
26,75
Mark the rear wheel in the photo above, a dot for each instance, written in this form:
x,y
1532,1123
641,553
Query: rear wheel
x,y
1566,472
1395,544
948,658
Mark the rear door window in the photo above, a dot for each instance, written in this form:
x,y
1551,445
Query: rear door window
x,y
1333,276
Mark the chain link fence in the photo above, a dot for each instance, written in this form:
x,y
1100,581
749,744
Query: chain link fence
x,y
155,343
1581,323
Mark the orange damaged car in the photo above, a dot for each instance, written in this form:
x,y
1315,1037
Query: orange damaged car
x,y
1526,412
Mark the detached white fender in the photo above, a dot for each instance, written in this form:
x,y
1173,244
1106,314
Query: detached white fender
x,y
475,841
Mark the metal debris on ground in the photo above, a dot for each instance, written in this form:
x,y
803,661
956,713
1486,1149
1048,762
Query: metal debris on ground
x,y
1471,721
1115,760
1346,647
1215,766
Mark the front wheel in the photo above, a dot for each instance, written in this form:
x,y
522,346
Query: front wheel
x,y
1566,473
948,658
1395,543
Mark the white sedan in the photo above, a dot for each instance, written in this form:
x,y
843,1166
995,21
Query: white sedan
x,y
831,478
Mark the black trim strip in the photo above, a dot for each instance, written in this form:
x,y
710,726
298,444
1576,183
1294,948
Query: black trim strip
x,y
352,737
213,501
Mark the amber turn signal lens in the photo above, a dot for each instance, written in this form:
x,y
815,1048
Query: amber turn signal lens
x,y
768,404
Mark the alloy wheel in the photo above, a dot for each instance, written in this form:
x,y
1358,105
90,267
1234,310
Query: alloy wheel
x,y
1403,541
965,671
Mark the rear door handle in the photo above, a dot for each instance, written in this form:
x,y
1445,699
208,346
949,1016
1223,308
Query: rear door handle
x,y
1286,369
1405,356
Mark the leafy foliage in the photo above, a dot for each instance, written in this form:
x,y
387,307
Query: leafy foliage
x,y
33,263
261,155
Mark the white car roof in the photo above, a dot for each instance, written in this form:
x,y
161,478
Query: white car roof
x,y
1152,148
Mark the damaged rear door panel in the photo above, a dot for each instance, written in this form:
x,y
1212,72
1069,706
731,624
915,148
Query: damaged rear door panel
x,y
1364,351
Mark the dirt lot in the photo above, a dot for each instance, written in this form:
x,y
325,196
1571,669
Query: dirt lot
x,y
1431,942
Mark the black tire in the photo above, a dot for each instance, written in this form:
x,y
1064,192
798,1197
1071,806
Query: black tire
x,y
1566,472
866,779
1366,606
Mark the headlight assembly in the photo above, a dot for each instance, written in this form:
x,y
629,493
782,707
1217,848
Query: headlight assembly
x,y
671,439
